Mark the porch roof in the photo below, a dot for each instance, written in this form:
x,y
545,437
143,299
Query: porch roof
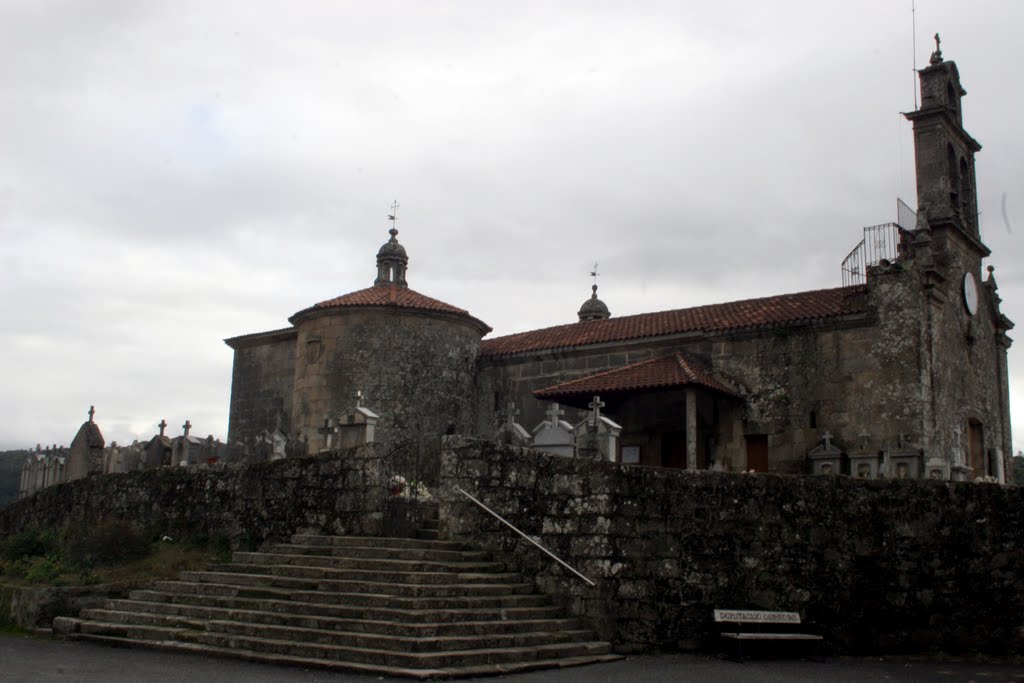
x,y
668,372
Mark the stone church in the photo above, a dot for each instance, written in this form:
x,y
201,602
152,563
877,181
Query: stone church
x,y
900,372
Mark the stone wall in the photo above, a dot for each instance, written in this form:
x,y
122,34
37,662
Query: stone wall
x,y
785,374
879,566
261,385
415,370
342,494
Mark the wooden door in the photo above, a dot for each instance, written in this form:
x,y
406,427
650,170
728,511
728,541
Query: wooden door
x,y
976,449
757,452
673,449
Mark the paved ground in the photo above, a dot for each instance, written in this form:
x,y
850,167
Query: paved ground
x,y
32,660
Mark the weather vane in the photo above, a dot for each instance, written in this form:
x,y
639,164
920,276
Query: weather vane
x,y
393,216
594,273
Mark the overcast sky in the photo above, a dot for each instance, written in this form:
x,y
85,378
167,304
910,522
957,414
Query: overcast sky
x,y
175,173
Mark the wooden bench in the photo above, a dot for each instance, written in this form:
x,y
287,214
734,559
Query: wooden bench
x,y
758,625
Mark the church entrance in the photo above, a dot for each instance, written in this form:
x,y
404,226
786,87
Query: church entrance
x,y
757,452
673,449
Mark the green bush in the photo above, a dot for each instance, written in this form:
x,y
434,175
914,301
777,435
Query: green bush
x,y
29,543
43,570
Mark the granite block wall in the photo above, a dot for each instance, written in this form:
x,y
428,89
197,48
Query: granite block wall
x,y
339,494
878,566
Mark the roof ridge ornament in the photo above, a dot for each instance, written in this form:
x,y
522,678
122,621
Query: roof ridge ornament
x,y
937,55
392,260
593,308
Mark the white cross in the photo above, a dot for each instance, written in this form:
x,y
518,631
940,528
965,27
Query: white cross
x,y
554,413
359,399
595,410
827,436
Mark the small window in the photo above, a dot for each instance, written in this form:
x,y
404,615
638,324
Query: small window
x,y
812,420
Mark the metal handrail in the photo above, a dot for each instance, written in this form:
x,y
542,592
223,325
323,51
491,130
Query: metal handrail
x,y
513,528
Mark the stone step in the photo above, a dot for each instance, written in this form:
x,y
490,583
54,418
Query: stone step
x,y
384,565
378,541
474,671
404,644
359,639
339,561
356,620
484,574
208,594
427,608
471,585
371,655
378,552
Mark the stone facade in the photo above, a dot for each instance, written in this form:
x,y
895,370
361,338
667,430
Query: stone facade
x,y
345,493
893,566
878,566
898,359
261,385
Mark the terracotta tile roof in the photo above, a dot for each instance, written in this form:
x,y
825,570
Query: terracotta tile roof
x,y
391,295
667,372
773,311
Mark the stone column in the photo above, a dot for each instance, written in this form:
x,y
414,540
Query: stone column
x,y
691,429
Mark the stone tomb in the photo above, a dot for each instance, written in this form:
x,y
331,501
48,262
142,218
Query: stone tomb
x,y
904,462
358,426
555,435
864,462
596,435
511,432
85,456
826,458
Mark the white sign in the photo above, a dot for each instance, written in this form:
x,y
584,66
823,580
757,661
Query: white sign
x,y
753,617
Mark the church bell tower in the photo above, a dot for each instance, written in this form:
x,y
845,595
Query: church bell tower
x,y
944,154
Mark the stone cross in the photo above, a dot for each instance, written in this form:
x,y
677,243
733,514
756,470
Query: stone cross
x,y
187,427
510,416
958,454
864,436
553,413
827,436
359,399
327,430
937,55
902,440
162,426
92,411
595,410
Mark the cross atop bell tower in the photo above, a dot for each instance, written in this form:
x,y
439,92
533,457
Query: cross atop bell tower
x,y
944,153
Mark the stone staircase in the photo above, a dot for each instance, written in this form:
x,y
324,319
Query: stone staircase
x,y
420,608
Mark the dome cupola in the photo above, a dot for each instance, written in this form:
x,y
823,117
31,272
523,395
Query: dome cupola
x,y
392,262
593,308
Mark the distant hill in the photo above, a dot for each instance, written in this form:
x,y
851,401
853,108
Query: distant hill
x,y
10,475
